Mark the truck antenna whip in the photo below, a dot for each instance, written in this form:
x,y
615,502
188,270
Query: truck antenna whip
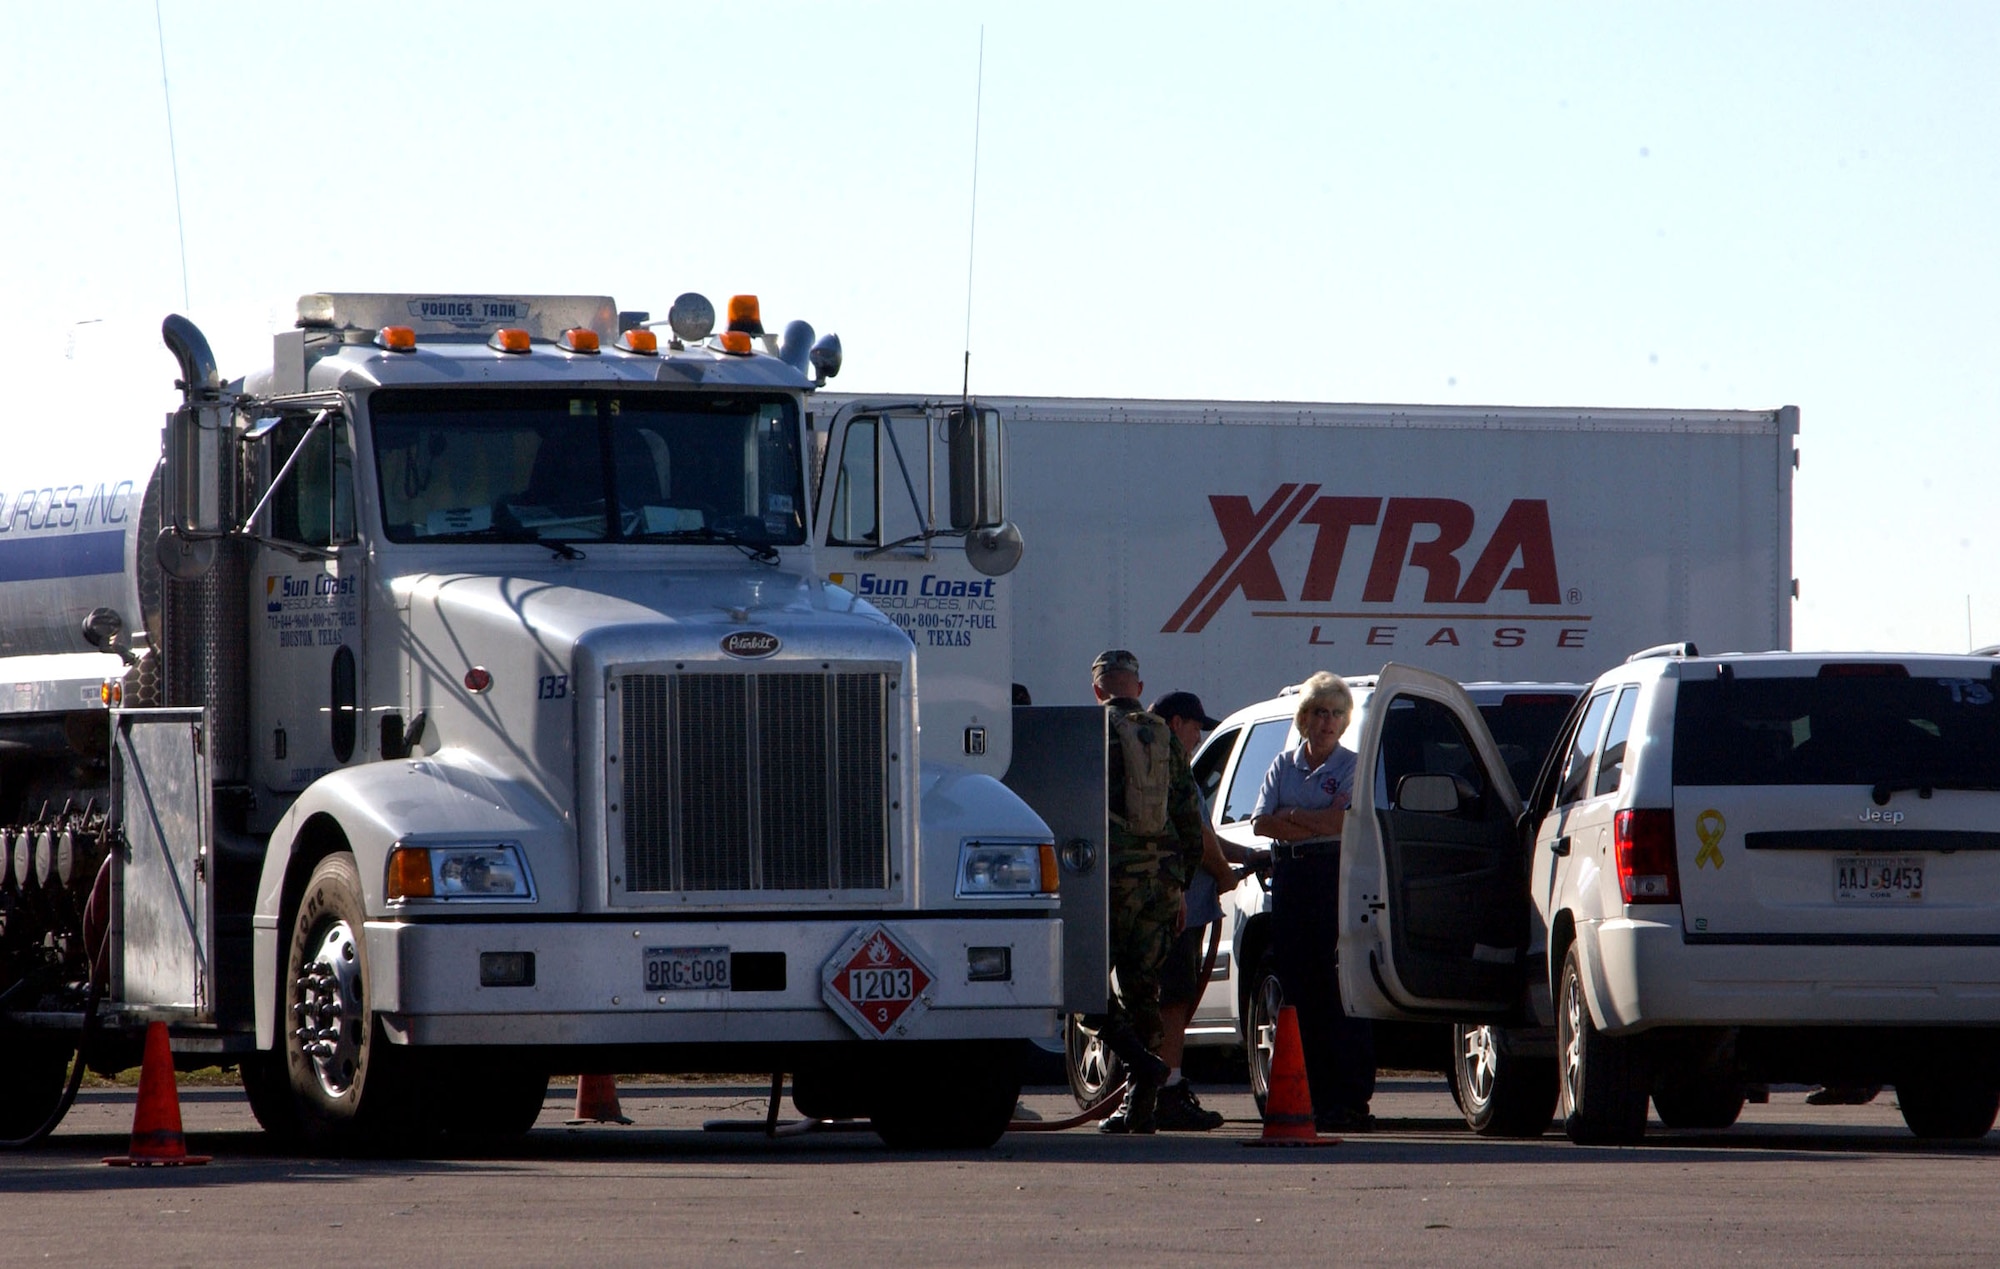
x,y
972,229
173,159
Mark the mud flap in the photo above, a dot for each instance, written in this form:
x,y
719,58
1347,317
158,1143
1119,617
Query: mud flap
x,y
162,889
1058,769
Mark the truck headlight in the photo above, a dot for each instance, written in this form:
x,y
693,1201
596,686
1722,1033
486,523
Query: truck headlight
x,y
494,871
1006,869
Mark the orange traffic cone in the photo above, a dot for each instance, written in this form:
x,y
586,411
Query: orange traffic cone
x,y
597,1101
1288,1107
156,1121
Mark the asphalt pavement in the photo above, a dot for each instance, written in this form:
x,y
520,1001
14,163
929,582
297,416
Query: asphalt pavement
x,y
1791,1183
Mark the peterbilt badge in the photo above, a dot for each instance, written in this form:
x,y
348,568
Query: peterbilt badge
x,y
750,644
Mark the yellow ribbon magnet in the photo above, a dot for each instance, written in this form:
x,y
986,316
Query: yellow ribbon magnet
x,y
1708,826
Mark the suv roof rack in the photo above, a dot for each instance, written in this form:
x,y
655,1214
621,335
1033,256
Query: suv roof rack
x,y
1664,650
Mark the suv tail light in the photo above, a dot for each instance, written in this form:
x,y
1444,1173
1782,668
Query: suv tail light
x,y
1648,867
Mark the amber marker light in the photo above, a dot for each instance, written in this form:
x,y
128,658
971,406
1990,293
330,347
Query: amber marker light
x,y
640,341
409,873
744,316
397,338
735,341
580,339
112,693
1051,875
509,339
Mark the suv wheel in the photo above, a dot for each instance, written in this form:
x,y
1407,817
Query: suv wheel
x,y
1602,1093
1948,1111
1263,1002
1501,1094
1094,1070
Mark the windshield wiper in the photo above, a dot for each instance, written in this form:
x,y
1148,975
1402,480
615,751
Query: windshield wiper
x,y
1886,789
497,533
762,552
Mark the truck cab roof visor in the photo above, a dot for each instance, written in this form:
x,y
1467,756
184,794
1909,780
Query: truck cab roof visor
x,y
544,317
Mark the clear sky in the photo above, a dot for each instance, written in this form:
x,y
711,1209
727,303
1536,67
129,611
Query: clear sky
x,y
1733,205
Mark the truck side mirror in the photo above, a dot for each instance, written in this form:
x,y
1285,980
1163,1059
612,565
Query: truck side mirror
x,y
197,486
974,440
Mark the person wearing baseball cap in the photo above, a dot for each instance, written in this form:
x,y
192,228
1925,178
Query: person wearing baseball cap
x,y
1180,981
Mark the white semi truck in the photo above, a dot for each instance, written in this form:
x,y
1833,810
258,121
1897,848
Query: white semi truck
x,y
460,700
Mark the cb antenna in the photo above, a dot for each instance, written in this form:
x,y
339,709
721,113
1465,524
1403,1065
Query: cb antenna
x,y
972,230
173,159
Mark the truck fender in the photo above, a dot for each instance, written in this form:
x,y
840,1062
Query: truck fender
x,y
957,805
450,796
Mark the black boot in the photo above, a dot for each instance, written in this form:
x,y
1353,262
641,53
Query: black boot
x,y
1138,1059
1135,1116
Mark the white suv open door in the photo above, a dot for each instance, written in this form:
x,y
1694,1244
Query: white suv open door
x,y
1434,911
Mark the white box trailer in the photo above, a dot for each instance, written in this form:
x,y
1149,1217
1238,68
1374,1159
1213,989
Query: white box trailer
x,y
1240,546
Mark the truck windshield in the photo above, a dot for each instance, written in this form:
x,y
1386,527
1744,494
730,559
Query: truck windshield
x,y
524,466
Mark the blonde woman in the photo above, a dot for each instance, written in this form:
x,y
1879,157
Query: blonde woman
x,y
1302,808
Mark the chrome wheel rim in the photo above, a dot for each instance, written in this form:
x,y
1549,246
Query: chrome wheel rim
x,y
1265,1004
1478,1060
330,1013
1092,1061
1572,1042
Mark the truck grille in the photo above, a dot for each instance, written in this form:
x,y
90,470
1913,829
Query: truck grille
x,y
754,781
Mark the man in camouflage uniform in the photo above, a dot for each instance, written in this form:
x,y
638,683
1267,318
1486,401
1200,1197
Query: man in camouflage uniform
x,y
1155,846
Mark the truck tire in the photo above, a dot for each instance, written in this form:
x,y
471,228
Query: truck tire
x,y
1094,1070
268,1088
1699,1103
957,1095
1262,1001
488,1105
1948,1111
1500,1093
33,1073
1602,1092
350,1088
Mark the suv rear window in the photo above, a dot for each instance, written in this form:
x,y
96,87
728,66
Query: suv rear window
x,y
1837,730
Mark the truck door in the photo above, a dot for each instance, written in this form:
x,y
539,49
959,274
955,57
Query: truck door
x,y
1434,911
901,490
306,597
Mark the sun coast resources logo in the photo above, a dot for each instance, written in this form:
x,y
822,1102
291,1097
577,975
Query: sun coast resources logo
x,y
750,644
468,311
1441,538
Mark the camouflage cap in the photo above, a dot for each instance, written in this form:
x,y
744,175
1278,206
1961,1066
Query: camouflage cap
x,y
1113,661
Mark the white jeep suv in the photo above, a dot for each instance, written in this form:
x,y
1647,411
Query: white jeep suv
x,y
1732,870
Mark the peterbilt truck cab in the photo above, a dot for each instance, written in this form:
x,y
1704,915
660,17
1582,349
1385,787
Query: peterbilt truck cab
x,y
479,711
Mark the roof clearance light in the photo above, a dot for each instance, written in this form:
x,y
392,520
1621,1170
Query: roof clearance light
x,y
640,341
509,339
737,342
580,339
744,315
397,338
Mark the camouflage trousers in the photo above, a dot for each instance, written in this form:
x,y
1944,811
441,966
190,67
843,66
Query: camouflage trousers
x,y
1145,907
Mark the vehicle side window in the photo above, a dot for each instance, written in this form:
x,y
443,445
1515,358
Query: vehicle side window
x,y
1423,737
1611,767
1576,770
854,487
315,504
1209,765
1265,742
